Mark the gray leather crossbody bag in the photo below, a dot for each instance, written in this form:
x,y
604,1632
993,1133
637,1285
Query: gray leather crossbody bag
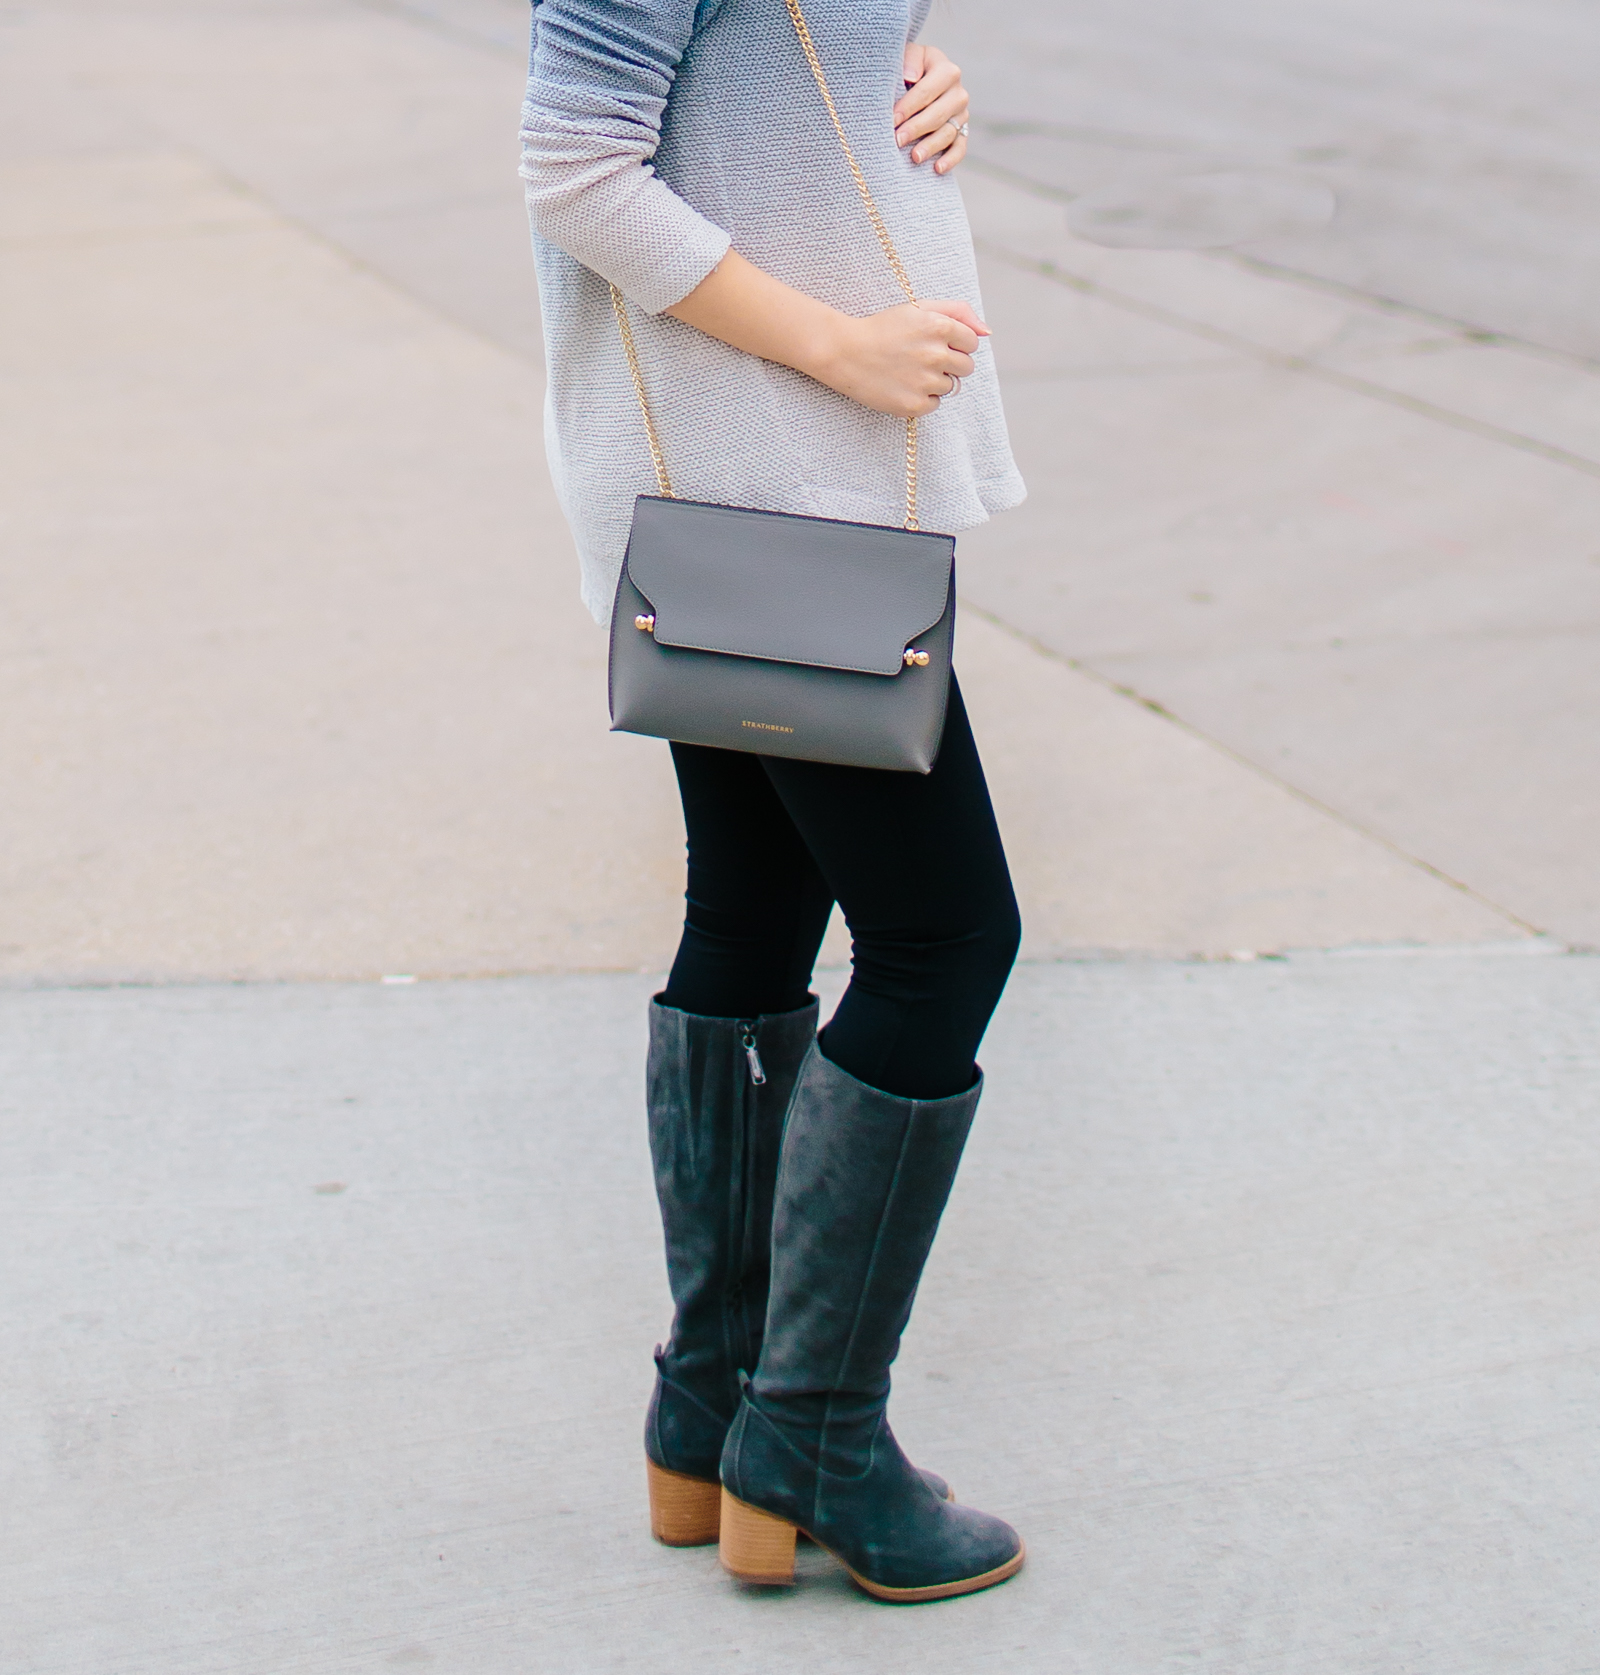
x,y
776,633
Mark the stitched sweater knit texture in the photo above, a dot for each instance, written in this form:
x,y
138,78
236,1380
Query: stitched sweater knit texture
x,y
657,133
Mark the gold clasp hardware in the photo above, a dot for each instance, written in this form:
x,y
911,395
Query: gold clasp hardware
x,y
647,625
916,659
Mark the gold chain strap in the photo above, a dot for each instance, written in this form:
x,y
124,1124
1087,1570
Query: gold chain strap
x,y
620,307
808,47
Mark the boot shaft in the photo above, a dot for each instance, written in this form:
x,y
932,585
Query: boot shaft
x,y
717,1092
862,1183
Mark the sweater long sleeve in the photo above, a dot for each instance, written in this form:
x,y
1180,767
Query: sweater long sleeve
x,y
601,73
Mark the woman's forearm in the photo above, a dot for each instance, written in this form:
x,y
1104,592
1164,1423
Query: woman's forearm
x,y
899,361
745,306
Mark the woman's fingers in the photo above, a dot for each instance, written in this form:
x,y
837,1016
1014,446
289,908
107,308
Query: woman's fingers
x,y
933,109
903,360
952,358
921,63
958,313
941,78
917,59
949,106
957,339
953,155
948,367
934,126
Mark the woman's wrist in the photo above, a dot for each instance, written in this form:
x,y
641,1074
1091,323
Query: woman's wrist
x,y
828,347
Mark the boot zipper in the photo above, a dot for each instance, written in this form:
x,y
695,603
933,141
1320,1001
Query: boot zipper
x,y
752,1057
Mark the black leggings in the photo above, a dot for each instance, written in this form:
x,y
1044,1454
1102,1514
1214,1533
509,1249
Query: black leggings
x,y
916,865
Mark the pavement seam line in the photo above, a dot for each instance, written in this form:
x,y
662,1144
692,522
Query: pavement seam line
x,y
279,216
1467,329
1046,269
1122,690
1484,337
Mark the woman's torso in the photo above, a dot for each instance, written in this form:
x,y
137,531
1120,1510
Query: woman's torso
x,y
746,140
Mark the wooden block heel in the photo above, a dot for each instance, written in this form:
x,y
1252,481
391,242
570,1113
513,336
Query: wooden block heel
x,y
755,1547
684,1511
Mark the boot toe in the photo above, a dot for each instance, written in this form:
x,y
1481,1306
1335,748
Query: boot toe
x,y
961,1552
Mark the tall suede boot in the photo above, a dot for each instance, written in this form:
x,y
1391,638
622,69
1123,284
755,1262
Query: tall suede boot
x,y
717,1092
862,1183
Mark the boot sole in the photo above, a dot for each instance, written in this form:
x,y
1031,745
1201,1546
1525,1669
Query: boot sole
x,y
684,1511
758,1547
944,1590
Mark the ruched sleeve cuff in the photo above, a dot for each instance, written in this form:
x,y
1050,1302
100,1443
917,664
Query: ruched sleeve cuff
x,y
702,248
601,73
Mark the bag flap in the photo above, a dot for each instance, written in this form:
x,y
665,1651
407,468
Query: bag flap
x,y
789,589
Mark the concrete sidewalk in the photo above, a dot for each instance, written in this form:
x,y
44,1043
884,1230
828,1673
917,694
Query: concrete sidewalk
x,y
1267,1306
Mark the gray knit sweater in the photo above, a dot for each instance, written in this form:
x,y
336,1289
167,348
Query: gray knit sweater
x,y
655,134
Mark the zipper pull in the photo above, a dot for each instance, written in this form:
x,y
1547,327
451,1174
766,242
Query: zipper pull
x,y
752,1057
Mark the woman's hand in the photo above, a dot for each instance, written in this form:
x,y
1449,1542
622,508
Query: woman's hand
x,y
904,359
899,361
932,110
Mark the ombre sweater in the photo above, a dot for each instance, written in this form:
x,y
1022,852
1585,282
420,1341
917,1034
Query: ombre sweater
x,y
655,134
